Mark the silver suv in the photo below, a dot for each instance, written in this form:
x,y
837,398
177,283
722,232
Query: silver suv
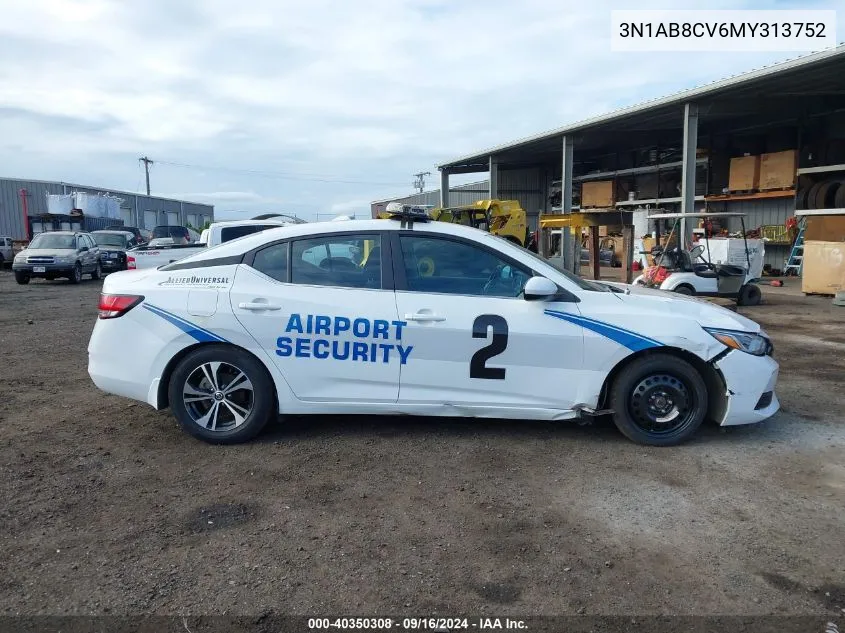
x,y
58,254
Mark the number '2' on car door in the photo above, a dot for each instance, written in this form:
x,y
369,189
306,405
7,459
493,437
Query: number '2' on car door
x,y
475,340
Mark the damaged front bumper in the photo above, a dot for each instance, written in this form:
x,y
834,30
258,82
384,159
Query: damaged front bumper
x,y
750,382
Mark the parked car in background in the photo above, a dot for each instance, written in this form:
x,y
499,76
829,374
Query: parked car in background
x,y
54,254
113,246
6,252
142,236
160,251
179,234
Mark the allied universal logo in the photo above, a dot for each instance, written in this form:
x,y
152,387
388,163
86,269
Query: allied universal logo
x,y
193,280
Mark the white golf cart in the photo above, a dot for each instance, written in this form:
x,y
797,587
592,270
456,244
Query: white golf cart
x,y
692,272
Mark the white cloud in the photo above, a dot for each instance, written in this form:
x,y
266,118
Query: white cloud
x,y
372,90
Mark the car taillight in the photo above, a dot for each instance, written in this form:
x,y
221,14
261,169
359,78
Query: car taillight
x,y
113,306
130,262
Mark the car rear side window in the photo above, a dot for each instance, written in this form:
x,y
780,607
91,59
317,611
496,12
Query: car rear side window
x,y
273,261
347,261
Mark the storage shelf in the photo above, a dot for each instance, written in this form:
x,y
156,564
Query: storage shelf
x,y
634,203
820,169
647,169
760,195
801,212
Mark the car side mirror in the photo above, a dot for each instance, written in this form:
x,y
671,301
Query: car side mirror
x,y
82,249
539,288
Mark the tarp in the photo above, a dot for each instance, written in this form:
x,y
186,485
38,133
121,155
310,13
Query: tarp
x,y
59,205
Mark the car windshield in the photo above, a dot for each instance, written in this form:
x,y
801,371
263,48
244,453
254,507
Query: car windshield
x,y
46,240
109,239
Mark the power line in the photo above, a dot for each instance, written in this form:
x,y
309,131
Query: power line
x,y
280,175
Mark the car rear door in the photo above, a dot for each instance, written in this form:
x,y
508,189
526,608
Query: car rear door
x,y
472,339
329,322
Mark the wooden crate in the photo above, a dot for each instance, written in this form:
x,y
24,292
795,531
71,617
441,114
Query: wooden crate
x,y
598,194
777,170
744,174
825,228
824,268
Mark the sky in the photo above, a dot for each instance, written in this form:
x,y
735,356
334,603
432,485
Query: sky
x,y
312,108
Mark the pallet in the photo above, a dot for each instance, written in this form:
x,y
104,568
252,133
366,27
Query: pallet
x,y
792,188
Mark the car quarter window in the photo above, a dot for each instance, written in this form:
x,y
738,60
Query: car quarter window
x,y
273,261
348,261
450,266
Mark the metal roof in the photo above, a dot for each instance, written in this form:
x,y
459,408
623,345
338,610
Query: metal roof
x,y
817,73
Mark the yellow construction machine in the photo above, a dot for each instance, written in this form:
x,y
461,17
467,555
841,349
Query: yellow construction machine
x,y
505,218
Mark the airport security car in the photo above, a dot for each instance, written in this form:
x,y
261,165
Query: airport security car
x,y
404,316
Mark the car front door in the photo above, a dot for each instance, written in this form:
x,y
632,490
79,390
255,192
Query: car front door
x,y
328,321
93,252
472,339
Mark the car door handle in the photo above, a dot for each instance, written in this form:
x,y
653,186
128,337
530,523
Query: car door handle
x,y
424,317
258,305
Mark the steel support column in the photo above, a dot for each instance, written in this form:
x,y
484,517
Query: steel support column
x,y
566,242
444,188
493,182
688,167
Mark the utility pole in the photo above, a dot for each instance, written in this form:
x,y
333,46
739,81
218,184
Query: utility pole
x,y
147,162
419,183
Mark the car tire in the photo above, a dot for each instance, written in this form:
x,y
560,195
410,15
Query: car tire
x,y
685,290
658,400
242,413
76,275
749,295
21,278
97,273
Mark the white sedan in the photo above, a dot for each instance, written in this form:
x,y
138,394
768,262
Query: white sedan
x,y
405,316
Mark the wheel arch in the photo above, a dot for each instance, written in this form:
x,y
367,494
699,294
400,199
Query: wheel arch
x,y
162,396
717,398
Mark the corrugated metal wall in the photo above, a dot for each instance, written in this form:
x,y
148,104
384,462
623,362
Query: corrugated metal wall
x,y
133,206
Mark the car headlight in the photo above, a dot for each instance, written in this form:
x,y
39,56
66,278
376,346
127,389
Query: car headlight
x,y
744,341
64,259
20,258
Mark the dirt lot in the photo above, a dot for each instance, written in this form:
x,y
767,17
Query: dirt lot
x,y
108,508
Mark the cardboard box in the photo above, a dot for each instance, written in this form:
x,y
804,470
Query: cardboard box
x,y
825,228
777,171
613,229
824,268
598,193
744,174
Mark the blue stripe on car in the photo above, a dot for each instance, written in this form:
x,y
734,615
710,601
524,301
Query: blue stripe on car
x,y
631,340
200,334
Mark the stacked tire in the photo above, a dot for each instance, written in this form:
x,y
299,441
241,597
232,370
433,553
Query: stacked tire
x,y
827,194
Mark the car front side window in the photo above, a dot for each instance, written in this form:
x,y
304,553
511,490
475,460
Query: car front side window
x,y
449,266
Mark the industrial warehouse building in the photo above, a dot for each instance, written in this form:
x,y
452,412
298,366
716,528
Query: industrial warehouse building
x,y
762,143
29,198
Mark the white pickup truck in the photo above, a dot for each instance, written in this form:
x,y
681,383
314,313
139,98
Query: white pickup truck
x,y
162,251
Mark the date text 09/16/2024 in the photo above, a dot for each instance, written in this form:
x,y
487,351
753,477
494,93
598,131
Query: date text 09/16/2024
x,y
313,341
432,624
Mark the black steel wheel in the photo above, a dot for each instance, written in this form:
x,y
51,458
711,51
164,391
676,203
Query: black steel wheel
x,y
21,277
684,289
221,394
97,273
658,400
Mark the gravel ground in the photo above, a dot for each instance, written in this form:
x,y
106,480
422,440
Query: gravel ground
x,y
107,508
